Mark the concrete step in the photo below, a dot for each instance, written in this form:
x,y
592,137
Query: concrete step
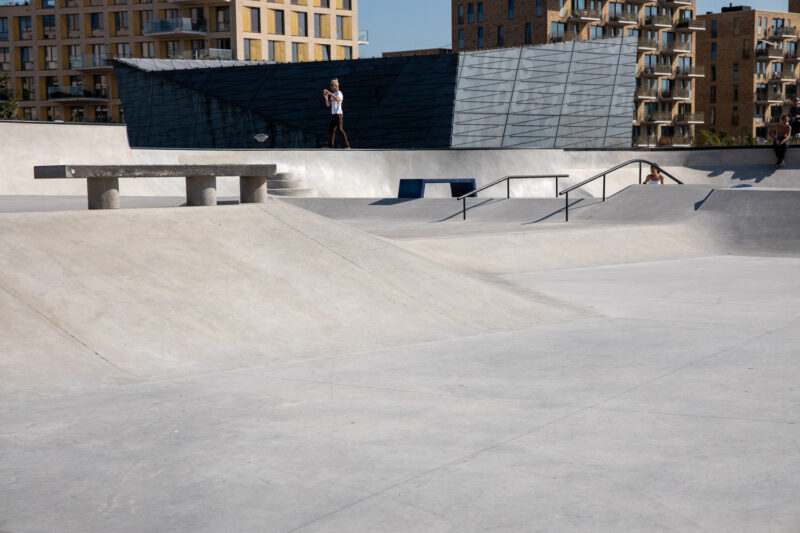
x,y
282,184
291,192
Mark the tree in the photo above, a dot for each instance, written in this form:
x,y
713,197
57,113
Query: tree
x,y
8,97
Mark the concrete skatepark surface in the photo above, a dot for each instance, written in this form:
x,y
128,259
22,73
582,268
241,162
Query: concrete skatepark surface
x,y
357,365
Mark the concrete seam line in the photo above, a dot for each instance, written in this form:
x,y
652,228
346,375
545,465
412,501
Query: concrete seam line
x,y
64,330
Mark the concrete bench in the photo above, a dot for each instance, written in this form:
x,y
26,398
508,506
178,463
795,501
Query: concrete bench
x,y
102,181
415,188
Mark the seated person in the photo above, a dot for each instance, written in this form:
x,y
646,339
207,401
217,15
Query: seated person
x,y
794,116
781,135
655,177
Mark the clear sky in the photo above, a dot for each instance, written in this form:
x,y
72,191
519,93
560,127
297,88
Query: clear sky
x,y
409,24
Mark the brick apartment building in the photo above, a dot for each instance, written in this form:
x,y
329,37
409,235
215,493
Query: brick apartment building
x,y
667,73
752,68
59,52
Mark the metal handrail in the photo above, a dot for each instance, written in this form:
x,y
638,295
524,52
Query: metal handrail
x,y
507,179
603,175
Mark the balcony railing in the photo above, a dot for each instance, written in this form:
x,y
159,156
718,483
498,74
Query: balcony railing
x,y
772,97
204,53
623,18
783,33
675,3
645,141
659,118
786,76
690,72
646,93
770,52
679,140
585,15
659,21
656,70
175,25
791,57
648,44
676,94
676,47
77,92
690,25
566,37
690,118
90,61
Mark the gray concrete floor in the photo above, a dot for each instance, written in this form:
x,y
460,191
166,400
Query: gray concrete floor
x,y
628,391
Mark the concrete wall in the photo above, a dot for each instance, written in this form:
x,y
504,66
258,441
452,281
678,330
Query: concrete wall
x,y
360,173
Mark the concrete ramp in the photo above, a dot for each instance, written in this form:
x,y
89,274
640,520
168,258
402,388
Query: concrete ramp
x,y
104,297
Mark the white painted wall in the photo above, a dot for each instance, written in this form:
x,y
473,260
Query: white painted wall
x,y
358,173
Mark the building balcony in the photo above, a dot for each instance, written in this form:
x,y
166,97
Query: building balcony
x,y
690,118
90,62
779,34
770,52
77,94
690,25
676,95
646,93
658,21
566,37
658,118
623,19
675,3
655,71
175,27
768,97
204,54
202,2
648,44
646,141
791,57
585,15
679,141
786,76
676,47
690,72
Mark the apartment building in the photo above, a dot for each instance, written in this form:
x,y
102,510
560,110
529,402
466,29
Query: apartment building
x,y
664,101
752,61
60,52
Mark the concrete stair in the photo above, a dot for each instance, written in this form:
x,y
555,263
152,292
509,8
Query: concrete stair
x,y
286,184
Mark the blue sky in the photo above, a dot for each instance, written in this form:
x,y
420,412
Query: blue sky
x,y
410,24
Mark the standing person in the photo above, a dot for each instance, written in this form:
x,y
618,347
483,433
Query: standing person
x,y
655,177
794,117
781,135
334,101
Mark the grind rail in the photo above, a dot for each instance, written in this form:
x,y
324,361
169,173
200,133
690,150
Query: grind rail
x,y
507,179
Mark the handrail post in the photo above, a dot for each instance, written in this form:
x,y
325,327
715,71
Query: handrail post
x,y
464,209
508,187
640,172
556,186
566,207
604,187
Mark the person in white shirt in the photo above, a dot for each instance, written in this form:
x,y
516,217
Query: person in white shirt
x,y
334,101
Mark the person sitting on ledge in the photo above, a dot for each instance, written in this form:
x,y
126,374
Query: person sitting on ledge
x,y
781,135
655,177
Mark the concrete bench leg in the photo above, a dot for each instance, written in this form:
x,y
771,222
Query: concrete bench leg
x,y
252,189
201,190
103,193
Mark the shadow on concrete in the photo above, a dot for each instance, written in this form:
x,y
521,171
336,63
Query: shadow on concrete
x,y
755,173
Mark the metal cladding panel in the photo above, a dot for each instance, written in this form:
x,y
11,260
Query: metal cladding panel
x,y
402,102
578,94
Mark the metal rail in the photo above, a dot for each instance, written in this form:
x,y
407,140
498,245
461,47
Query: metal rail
x,y
507,179
603,175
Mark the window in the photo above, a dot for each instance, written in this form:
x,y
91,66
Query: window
x,y
713,73
528,33
500,35
712,117
735,71
461,39
279,24
737,29
26,58
480,11
712,94
5,58
123,49
28,92
713,29
735,93
538,8
25,31
480,37
595,32
223,18
97,21
3,28
148,49
49,26
252,19
345,4
302,24
713,50
51,58
460,13
510,9
121,21
471,13
735,116
252,50
325,52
